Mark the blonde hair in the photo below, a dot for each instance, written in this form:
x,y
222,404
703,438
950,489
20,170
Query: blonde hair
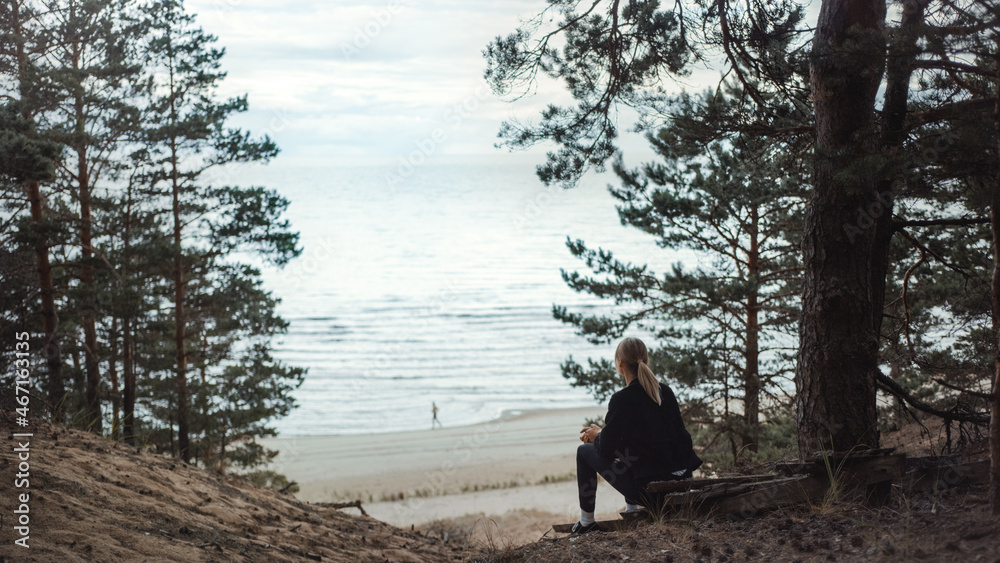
x,y
632,354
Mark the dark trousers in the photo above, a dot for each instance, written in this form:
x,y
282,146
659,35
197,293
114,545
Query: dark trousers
x,y
617,472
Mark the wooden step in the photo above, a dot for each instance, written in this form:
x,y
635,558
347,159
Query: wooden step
x,y
691,484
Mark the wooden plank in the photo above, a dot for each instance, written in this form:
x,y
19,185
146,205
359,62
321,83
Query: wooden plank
x,y
816,464
699,497
797,490
925,462
946,475
871,471
691,484
865,468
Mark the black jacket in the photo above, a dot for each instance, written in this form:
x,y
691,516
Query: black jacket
x,y
647,438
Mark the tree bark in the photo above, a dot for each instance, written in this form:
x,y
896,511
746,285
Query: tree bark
x,y
995,402
180,321
898,72
88,308
128,374
50,321
116,398
751,376
180,335
88,313
838,346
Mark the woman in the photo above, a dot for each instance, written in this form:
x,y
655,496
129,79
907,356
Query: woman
x,y
643,438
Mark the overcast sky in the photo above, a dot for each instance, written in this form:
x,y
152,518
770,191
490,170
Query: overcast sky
x,y
355,80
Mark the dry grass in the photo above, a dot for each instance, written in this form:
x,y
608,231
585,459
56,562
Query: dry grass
x,y
96,501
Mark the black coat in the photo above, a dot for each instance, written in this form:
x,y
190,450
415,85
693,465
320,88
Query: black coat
x,y
648,439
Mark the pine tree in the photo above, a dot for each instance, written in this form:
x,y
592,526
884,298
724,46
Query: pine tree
x,y
240,387
862,143
188,138
724,326
29,160
95,74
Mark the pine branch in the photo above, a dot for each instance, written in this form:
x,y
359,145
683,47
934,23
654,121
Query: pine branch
x,y
956,222
893,388
979,394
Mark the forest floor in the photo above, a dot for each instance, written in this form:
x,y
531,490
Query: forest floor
x,y
952,526
947,526
96,501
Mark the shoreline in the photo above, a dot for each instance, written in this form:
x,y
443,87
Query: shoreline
x,y
523,459
505,415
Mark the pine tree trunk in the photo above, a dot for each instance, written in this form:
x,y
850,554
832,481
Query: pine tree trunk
x,y
46,289
995,401
838,346
93,419
50,322
897,92
79,383
751,376
88,312
116,398
180,336
128,374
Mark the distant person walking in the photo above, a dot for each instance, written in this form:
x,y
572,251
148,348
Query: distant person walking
x,y
434,409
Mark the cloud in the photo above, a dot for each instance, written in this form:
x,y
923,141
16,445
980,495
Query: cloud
x,y
361,77
368,78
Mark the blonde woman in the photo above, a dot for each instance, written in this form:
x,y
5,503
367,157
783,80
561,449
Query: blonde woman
x,y
643,438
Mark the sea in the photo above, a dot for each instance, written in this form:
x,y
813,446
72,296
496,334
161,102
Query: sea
x,y
433,284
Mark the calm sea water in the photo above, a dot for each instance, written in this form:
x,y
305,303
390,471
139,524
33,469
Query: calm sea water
x,y
435,287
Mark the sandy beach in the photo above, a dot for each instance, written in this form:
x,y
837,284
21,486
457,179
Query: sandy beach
x,y
524,462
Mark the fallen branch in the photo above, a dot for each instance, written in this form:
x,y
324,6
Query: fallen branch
x,y
339,505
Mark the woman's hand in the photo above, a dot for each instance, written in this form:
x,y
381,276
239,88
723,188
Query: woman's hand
x,y
588,434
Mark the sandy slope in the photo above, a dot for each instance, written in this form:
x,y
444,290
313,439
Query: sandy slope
x,y
95,501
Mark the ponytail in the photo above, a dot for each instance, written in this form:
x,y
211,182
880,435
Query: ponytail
x,y
649,382
632,352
